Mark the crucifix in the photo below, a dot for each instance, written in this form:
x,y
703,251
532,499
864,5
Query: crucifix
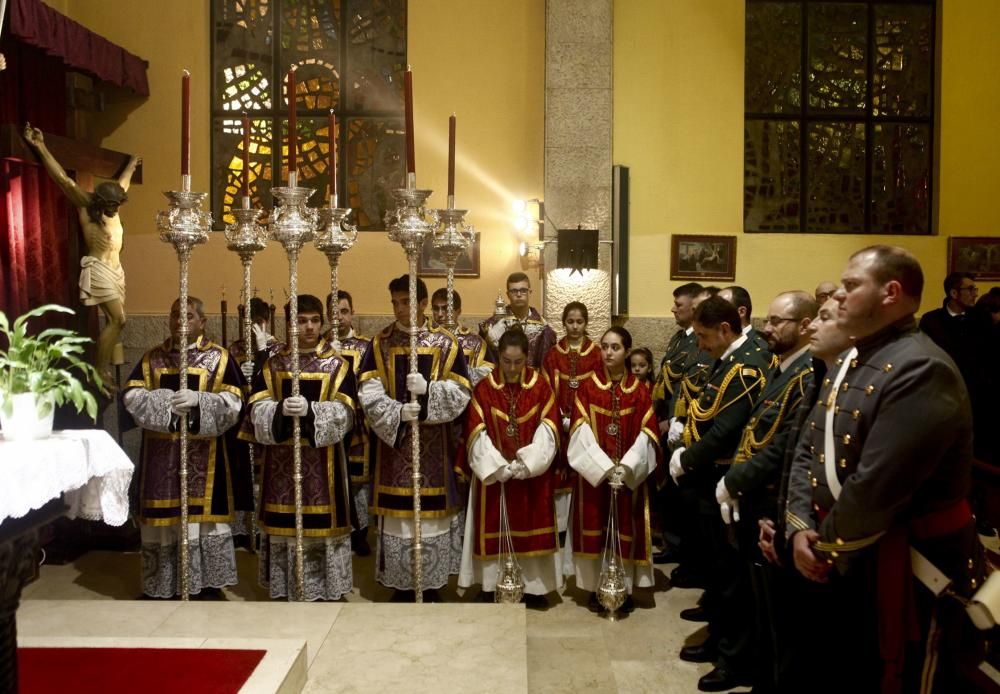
x,y
102,279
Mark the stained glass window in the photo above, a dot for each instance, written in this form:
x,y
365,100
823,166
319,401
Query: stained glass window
x,y
349,56
839,116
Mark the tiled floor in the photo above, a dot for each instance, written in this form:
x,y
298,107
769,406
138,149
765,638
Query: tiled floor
x,y
569,649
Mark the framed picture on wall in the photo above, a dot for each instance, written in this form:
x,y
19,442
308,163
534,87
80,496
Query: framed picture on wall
x,y
979,255
430,263
702,257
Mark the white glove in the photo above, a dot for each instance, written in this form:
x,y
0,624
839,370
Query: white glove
x,y
416,384
410,412
294,406
259,337
730,511
519,470
247,369
183,401
503,474
722,494
676,469
565,423
675,432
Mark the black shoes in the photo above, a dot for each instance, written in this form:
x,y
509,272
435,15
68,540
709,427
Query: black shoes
x,y
667,556
683,577
720,679
359,542
702,653
694,614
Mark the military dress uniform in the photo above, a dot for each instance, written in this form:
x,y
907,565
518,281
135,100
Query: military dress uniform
x,y
712,431
754,479
884,464
672,370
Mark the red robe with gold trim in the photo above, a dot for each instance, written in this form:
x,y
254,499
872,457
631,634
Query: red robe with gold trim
x,y
530,504
564,367
591,504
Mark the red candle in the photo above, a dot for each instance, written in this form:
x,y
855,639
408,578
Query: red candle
x,y
411,166
292,134
186,124
333,153
451,156
246,156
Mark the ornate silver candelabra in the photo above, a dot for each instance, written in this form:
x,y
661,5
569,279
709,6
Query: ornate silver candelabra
x,y
246,237
408,227
184,225
334,237
292,225
452,238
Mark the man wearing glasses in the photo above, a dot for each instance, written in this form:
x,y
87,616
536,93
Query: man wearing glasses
x,y
541,336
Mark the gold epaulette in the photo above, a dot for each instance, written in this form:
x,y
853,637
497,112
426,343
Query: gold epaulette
x,y
749,444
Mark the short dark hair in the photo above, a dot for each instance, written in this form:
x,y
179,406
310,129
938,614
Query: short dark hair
x,y
402,284
954,281
711,290
621,332
989,302
714,311
576,306
259,310
741,298
804,304
515,277
691,289
513,337
895,263
341,296
307,303
442,295
107,193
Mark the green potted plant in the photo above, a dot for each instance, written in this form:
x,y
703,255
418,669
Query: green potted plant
x,y
36,375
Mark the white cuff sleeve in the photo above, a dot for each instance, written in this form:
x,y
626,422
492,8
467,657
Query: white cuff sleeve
x,y
586,457
537,456
484,458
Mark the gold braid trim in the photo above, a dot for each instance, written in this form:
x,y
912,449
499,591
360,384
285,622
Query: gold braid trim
x,y
749,444
698,414
852,546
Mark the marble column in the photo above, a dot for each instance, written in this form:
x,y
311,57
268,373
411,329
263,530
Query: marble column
x,y
578,129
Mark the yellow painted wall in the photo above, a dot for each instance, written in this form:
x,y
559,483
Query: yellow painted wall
x,y
480,59
678,110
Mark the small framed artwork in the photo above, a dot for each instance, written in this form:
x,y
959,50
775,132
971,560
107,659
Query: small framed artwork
x,y
979,255
702,257
430,263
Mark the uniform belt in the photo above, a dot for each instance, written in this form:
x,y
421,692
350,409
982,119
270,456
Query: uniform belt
x,y
724,461
945,521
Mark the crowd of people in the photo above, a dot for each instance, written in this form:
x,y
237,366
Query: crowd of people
x,y
800,475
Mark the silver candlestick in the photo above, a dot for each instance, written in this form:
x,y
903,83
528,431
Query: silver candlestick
x,y
184,225
334,237
452,238
292,225
407,225
246,237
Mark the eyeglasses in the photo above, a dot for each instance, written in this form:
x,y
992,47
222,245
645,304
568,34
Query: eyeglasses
x,y
974,289
775,321
518,291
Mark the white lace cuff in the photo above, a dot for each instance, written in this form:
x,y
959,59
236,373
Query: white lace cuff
x,y
446,400
262,418
381,411
149,408
219,412
332,421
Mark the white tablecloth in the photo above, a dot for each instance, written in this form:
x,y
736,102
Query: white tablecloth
x,y
86,465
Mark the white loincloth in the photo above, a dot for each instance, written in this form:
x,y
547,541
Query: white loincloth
x,y
99,282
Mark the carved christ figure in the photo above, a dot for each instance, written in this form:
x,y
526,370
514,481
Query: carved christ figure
x,y
102,278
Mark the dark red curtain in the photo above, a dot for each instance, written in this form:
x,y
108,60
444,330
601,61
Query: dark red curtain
x,y
34,222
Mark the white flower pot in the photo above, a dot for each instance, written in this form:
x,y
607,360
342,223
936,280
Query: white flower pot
x,y
24,423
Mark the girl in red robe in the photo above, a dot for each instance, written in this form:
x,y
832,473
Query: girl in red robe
x,y
571,362
614,434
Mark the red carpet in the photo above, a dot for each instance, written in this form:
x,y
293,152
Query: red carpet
x,y
146,670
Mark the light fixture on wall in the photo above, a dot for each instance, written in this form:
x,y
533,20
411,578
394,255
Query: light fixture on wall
x,y
529,216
